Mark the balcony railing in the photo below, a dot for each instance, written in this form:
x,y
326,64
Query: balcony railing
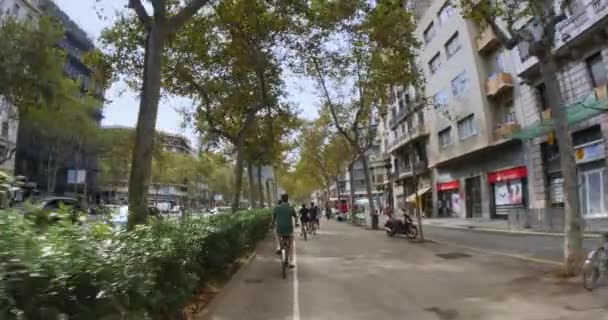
x,y
417,132
406,171
486,40
499,83
581,21
505,130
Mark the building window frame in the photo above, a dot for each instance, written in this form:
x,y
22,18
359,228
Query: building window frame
x,y
594,62
585,195
453,45
445,137
446,12
429,33
467,123
435,63
460,84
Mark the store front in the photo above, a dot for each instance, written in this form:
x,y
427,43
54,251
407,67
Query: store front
x,y
448,195
508,191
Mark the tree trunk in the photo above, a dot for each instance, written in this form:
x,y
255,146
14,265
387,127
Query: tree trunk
x,y
415,177
260,186
252,201
370,195
240,148
238,179
271,201
141,167
573,231
351,181
48,173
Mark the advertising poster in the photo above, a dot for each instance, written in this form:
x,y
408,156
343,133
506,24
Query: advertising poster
x,y
456,203
508,193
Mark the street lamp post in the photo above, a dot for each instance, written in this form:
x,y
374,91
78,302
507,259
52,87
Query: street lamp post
x,y
389,176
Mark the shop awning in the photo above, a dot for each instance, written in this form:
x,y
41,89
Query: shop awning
x,y
412,197
585,109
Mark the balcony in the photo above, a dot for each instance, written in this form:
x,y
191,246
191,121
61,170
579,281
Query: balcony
x,y
506,130
399,116
499,83
486,40
413,134
576,24
407,172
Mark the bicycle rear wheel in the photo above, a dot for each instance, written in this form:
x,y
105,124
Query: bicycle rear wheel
x,y
284,263
591,276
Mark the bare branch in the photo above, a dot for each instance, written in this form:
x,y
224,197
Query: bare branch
x,y
331,105
180,19
141,12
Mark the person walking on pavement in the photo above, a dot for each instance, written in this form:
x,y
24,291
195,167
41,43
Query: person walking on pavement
x,y
314,215
285,218
327,211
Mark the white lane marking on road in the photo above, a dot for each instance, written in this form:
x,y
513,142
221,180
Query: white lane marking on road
x,y
296,285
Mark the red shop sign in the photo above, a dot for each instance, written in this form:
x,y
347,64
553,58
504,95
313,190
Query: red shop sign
x,y
448,185
510,174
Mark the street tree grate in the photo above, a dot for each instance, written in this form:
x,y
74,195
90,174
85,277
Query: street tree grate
x,y
453,255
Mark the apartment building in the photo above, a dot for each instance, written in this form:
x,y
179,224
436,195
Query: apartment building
x,y
79,171
467,112
9,123
582,48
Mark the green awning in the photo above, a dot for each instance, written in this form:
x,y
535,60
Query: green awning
x,y
585,109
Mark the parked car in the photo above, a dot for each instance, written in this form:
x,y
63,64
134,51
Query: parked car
x,y
54,203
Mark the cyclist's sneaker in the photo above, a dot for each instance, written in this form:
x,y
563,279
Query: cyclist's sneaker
x,y
278,252
292,266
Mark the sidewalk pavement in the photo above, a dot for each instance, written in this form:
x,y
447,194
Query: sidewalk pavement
x,y
489,225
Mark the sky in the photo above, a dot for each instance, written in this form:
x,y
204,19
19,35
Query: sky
x,y
124,103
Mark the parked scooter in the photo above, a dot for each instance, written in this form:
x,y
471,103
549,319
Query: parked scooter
x,y
398,226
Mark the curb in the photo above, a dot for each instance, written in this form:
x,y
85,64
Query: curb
x,y
510,232
503,254
204,313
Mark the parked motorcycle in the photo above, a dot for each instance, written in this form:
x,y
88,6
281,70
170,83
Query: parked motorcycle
x,y
398,226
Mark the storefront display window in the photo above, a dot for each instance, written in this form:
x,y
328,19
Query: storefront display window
x,y
592,193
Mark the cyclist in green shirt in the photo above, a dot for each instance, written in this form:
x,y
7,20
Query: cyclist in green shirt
x,y
285,218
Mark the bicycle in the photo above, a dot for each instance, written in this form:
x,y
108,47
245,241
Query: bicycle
x,y
312,226
594,268
305,231
285,247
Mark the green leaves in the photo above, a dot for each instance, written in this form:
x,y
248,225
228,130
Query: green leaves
x,y
31,65
93,273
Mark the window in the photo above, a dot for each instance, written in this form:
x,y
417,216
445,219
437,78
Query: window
x,y
592,192
445,137
597,70
446,12
420,118
460,84
5,129
435,63
441,98
429,33
541,93
508,115
453,45
393,113
466,127
410,125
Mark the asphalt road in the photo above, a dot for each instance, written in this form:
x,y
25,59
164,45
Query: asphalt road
x,y
353,273
546,247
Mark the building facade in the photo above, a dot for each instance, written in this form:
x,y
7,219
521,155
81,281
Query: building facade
x,y
470,108
9,122
78,172
582,49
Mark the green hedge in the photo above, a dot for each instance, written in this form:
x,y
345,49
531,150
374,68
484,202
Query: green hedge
x,y
71,271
